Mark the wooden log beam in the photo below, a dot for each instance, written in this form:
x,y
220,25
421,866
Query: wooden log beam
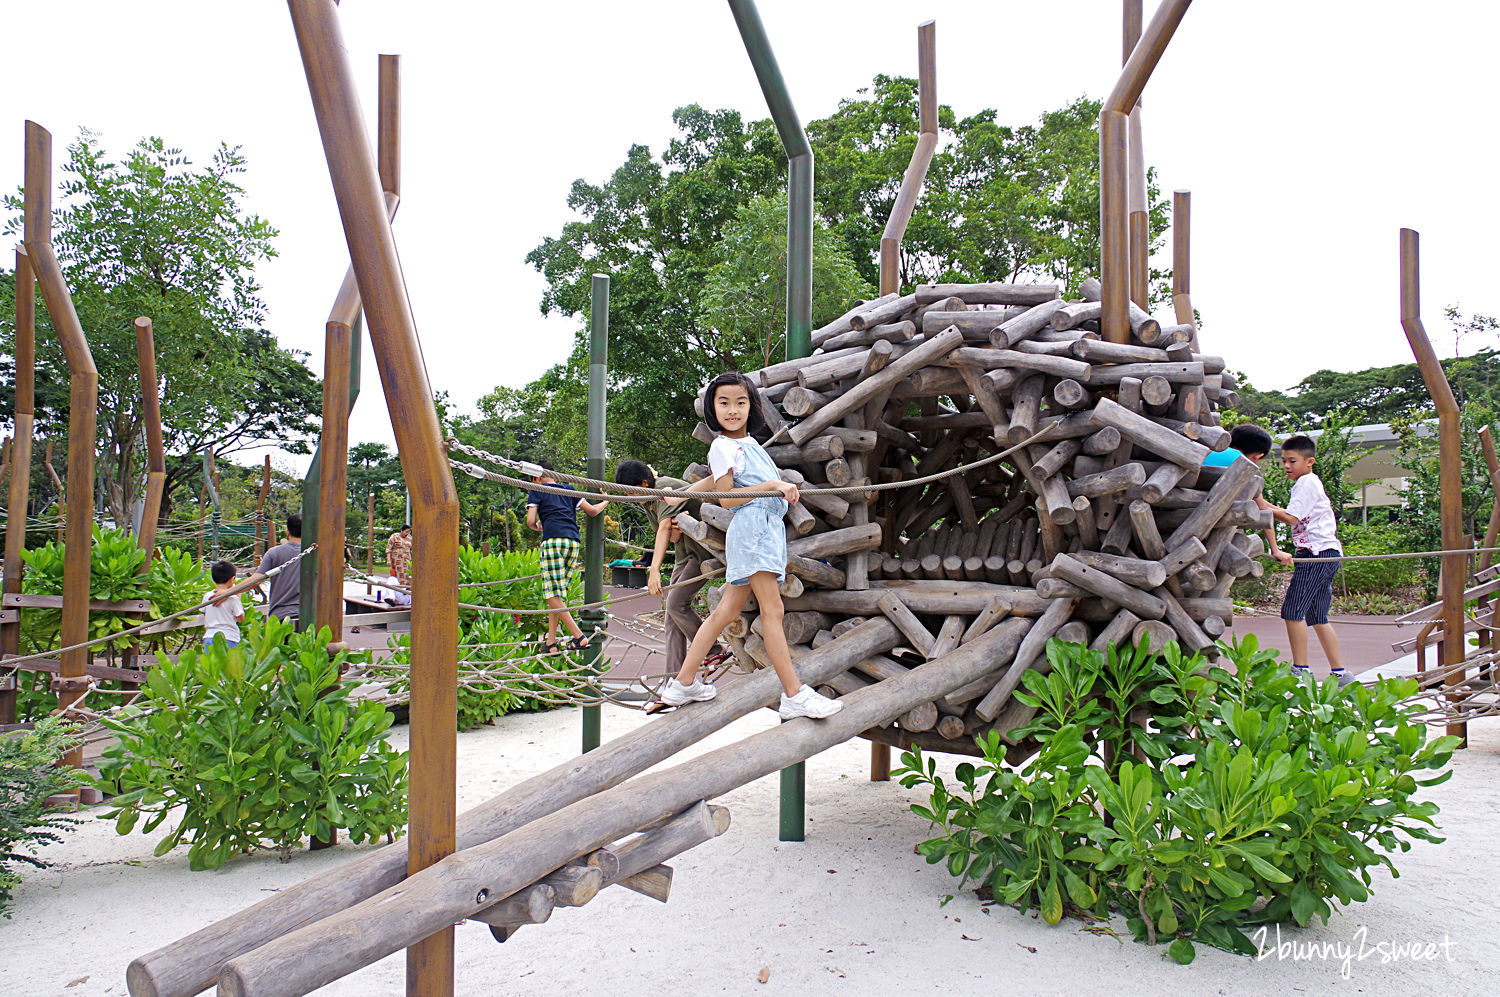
x,y
1032,648
1107,586
1143,432
324,951
920,356
994,293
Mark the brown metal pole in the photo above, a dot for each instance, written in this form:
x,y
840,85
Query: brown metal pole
x,y
339,367
83,398
1449,466
393,332
20,458
1114,226
1182,258
1114,167
1140,229
156,457
921,159
262,528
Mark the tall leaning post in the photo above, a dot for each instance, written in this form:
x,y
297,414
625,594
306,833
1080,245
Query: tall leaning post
x,y
1450,469
593,570
20,474
799,224
156,455
83,397
1182,259
419,441
1135,194
857,578
1114,167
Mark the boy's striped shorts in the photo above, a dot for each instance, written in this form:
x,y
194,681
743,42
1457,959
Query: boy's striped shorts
x,y
1311,591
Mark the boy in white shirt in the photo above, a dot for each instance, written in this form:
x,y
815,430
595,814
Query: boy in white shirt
x,y
1314,535
222,617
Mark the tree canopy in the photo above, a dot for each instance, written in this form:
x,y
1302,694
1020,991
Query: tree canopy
x,y
155,235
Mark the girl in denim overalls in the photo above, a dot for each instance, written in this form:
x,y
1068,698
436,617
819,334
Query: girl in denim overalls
x,y
754,548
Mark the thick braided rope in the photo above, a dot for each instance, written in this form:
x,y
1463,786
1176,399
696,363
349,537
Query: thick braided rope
x,y
640,492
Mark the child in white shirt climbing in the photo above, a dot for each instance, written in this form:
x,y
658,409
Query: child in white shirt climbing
x,y
754,548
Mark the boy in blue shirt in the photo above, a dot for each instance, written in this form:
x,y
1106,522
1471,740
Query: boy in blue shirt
x,y
557,517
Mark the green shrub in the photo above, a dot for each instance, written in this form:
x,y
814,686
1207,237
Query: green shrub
x,y
27,778
256,746
175,582
1385,575
1261,798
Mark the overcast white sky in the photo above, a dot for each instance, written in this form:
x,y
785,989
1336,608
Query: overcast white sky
x,y
1309,133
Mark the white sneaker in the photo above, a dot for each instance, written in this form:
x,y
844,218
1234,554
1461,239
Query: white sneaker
x,y
807,703
674,693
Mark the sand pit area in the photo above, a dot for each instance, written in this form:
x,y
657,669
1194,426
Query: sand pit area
x,y
850,910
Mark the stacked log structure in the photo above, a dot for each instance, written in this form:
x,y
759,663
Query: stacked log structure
x,y
1104,528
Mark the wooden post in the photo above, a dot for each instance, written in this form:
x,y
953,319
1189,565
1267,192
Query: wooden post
x,y
1135,195
262,528
1182,285
156,459
916,170
364,211
1450,467
1114,166
83,396
20,476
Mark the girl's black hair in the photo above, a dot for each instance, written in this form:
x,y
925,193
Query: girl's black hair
x,y
757,420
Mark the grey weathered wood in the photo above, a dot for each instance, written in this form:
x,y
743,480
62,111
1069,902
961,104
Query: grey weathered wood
x,y
1100,351
976,326
816,572
1155,633
918,357
655,882
1131,570
799,401
1067,367
532,905
906,621
1188,632
1117,631
1074,314
1084,521
1175,373
1025,325
1069,393
1027,654
1025,409
994,611
1145,433
924,597
1116,479
1161,481
434,898
1105,441
1227,490
1184,554
845,541
787,370
1103,584
1055,459
993,293
885,311
1147,536
896,332
841,324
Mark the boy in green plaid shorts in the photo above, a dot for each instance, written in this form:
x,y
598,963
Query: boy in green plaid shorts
x,y
557,517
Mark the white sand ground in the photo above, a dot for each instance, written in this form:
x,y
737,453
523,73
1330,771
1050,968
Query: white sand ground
x,y
850,910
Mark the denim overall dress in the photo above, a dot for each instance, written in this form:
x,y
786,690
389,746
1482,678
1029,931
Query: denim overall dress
x,y
756,540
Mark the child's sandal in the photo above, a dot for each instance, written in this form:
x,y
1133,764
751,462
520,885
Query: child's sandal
x,y
550,648
579,643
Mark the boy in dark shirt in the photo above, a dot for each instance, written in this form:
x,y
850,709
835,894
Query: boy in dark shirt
x,y
557,517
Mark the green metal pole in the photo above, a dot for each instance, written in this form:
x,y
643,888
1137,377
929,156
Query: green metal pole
x,y
799,222
593,562
799,218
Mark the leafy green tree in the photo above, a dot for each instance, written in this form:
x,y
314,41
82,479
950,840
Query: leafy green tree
x,y
154,235
1417,453
694,244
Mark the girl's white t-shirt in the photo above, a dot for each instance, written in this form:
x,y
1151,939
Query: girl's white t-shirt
x,y
1316,529
223,618
725,455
